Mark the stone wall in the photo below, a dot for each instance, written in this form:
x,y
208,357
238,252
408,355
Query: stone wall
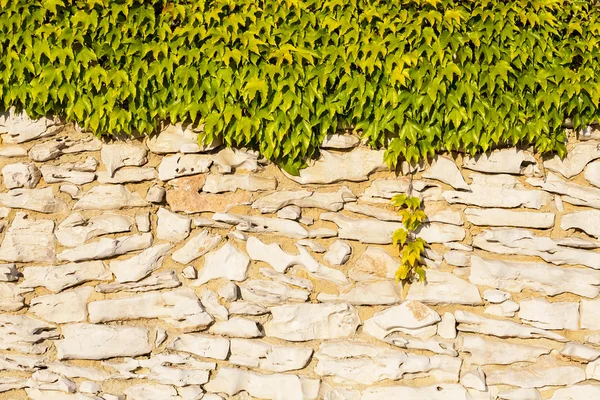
x,y
166,270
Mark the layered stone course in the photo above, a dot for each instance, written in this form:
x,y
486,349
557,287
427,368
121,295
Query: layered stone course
x,y
164,270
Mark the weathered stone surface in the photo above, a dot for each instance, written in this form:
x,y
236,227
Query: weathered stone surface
x,y
525,242
172,226
202,345
109,197
338,141
375,212
180,139
474,379
570,192
280,277
210,301
127,175
28,240
506,309
75,230
57,278
179,307
25,334
302,322
69,306
73,191
381,190
226,262
469,322
178,165
11,298
582,391
159,280
140,266
237,327
229,159
271,293
580,352
230,183
148,392
99,342
496,296
263,225
331,201
445,170
290,212
489,196
537,377
367,293
185,196
53,148
587,221
21,175
500,217
592,173
19,128
156,194
508,161
407,318
12,151
143,222
486,351
115,156
66,173
444,288
374,263
543,278
106,248
40,200
268,357
447,326
545,315
338,253
273,386
577,158
196,247
354,166
590,314
435,392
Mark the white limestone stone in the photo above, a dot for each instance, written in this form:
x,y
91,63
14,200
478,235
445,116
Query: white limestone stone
x,y
28,240
69,306
73,191
590,314
237,327
445,170
156,194
230,183
381,190
338,253
21,175
171,226
580,352
536,376
258,224
570,192
148,392
229,291
587,221
227,160
51,149
210,301
319,232
545,315
140,266
90,387
353,361
447,326
302,322
115,156
543,278
500,217
312,245
143,222
66,173
330,201
592,174
160,337
406,317
178,165
271,293
179,307
202,345
577,158
180,138
107,247
355,166
486,351
109,197
226,262
435,392
496,296
521,394
374,263
156,281
75,230
11,298
12,151
372,211
25,334
507,161
366,293
469,322
338,141
506,309
444,288
231,381
196,246
458,258
290,212
57,278
446,216
580,391
499,197
17,127
268,357
474,379
128,175
40,200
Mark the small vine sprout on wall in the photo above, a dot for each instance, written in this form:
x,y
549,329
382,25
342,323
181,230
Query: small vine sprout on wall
x,y
411,246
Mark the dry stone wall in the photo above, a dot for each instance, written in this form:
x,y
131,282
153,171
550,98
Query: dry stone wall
x,y
159,269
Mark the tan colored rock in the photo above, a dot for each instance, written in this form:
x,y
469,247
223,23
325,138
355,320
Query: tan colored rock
x,y
444,288
406,317
374,263
185,196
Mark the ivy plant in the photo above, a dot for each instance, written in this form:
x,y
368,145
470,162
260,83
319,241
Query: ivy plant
x,y
411,76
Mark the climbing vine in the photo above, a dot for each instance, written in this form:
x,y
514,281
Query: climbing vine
x,y
411,76
411,246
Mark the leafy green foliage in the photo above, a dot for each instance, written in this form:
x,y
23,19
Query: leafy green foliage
x,y
414,76
411,247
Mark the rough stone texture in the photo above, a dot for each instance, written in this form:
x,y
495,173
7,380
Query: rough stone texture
x,y
163,282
